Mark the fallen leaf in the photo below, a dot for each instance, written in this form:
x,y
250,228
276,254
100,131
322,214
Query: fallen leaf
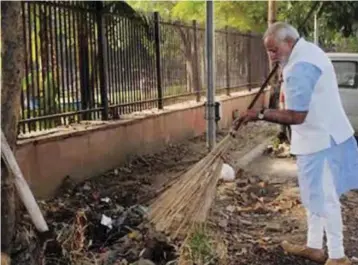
x,y
246,236
231,208
273,227
267,238
242,252
223,223
245,222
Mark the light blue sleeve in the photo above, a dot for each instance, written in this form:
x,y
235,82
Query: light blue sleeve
x,y
300,83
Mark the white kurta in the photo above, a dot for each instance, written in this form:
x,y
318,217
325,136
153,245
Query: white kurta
x,y
327,153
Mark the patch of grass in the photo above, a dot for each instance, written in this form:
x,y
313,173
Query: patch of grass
x,y
275,143
202,247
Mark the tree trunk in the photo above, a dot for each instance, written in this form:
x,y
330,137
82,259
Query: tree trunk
x,y
12,57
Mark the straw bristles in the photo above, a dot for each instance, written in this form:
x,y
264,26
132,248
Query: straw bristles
x,y
188,201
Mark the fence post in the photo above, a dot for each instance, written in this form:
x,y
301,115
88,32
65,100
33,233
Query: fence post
x,y
249,49
227,62
196,63
102,59
157,57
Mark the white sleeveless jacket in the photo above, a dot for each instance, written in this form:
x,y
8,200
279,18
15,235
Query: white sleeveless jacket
x,y
326,117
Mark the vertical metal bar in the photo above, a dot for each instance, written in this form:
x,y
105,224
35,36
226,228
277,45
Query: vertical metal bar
x,y
68,107
110,59
43,70
102,59
49,65
151,65
53,61
129,66
227,61
196,64
115,63
61,44
92,70
97,88
75,28
136,66
210,56
37,58
136,37
145,70
132,63
158,62
57,29
125,64
69,64
164,77
120,64
27,53
32,63
83,61
107,25
92,62
22,127
249,74
111,62
70,60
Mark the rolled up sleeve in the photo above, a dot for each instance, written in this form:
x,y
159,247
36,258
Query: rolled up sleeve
x,y
299,85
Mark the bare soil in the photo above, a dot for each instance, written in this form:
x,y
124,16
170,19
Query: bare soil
x,y
254,213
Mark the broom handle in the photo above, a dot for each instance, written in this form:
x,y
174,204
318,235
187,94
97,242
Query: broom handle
x,y
258,94
263,86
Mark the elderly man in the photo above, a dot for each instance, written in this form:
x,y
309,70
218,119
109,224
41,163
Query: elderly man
x,y
322,139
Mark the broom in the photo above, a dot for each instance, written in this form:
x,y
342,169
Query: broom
x,y
189,199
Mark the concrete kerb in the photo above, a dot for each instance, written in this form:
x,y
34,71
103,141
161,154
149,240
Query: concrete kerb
x,y
256,152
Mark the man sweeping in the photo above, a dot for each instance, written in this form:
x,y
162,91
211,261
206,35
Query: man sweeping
x,y
322,139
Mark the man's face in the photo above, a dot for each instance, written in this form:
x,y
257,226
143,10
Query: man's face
x,y
278,51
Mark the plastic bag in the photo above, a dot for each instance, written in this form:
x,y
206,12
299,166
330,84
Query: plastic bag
x,y
227,173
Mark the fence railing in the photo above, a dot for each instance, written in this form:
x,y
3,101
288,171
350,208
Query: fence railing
x,y
84,63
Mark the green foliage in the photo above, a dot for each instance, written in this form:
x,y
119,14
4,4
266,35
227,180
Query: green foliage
x,y
243,15
338,19
338,22
341,16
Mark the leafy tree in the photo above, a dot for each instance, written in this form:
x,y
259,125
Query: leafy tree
x,y
338,21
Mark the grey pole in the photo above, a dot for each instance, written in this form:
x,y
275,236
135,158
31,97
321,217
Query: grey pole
x,y
210,58
316,29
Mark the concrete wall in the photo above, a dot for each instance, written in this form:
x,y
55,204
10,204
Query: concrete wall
x,y
91,150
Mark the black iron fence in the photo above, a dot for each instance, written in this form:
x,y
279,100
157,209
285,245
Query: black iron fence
x,y
85,61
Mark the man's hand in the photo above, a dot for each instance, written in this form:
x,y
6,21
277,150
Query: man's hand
x,y
247,116
284,117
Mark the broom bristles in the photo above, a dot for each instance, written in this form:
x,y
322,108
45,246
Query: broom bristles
x,y
188,201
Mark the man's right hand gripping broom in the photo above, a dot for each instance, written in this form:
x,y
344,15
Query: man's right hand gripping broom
x,y
249,115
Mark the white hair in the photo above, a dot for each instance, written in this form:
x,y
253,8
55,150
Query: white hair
x,y
282,31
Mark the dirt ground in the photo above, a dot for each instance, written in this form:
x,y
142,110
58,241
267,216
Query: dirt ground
x,y
262,208
102,220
